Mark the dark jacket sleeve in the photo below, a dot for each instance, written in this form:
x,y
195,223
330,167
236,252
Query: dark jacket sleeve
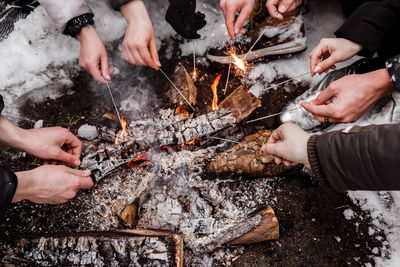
x,y
116,4
8,185
375,25
393,67
365,160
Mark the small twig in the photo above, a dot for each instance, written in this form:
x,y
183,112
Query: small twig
x,y
251,48
227,77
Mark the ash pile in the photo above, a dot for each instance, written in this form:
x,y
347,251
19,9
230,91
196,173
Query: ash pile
x,y
181,174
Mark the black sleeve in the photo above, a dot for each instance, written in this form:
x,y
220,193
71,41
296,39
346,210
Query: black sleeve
x,y
116,4
8,185
75,25
365,160
375,25
393,67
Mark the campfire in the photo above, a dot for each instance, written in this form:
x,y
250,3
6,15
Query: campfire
x,y
155,179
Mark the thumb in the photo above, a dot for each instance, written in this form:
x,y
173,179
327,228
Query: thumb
x,y
105,68
68,158
271,149
318,110
326,64
154,52
323,97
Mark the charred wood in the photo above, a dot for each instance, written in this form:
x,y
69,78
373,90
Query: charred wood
x,y
184,82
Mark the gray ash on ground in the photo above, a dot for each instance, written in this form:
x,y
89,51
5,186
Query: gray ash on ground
x,y
311,218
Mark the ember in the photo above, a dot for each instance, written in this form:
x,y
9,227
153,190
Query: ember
x,y
140,159
214,86
123,134
181,111
238,62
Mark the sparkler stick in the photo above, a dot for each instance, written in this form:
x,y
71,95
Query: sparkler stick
x,y
176,88
272,115
115,105
227,77
224,139
276,85
194,60
251,48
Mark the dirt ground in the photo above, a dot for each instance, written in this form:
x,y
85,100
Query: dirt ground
x,y
313,229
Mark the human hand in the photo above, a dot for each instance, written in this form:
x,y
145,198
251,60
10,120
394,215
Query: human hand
x,y
352,96
288,145
54,144
229,7
330,51
139,44
93,57
277,8
51,184
184,19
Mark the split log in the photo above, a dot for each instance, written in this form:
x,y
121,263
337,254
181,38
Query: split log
x,y
123,248
248,158
129,215
241,102
184,82
258,227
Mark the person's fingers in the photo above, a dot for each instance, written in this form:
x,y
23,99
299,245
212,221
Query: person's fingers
x,y
137,58
272,149
272,6
287,163
229,20
315,57
85,183
73,144
278,160
324,96
95,72
222,4
105,68
285,5
81,173
243,16
319,110
67,158
292,7
145,55
129,56
154,52
326,64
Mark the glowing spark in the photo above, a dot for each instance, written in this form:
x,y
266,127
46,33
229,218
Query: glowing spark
x,y
238,62
214,86
181,111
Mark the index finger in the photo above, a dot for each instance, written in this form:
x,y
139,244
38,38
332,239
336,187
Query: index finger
x,y
315,56
229,20
275,136
318,110
96,74
85,183
145,55
273,10
73,144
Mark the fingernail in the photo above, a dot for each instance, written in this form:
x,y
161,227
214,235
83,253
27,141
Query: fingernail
x,y
158,63
236,31
108,77
77,162
86,172
282,8
317,69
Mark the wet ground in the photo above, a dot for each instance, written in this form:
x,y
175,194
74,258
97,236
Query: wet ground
x,y
313,229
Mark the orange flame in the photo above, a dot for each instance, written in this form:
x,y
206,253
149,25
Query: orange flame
x,y
192,141
139,160
124,132
181,111
214,86
110,116
238,62
194,75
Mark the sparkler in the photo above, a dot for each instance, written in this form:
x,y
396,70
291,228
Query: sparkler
x,y
176,88
227,77
251,48
194,61
273,115
295,78
224,139
115,105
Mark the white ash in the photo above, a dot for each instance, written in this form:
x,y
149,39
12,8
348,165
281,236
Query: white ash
x,y
88,132
38,124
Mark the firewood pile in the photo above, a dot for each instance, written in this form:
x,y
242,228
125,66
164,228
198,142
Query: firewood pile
x,y
153,178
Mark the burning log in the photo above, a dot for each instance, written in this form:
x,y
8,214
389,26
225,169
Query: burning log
x,y
258,227
184,82
247,158
131,247
150,133
241,102
129,215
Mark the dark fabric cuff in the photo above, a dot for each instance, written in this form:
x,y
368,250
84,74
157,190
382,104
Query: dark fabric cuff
x,y
116,4
314,162
75,25
1,104
8,185
393,67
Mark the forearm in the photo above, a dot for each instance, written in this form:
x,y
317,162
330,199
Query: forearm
x,y
12,135
365,159
133,10
117,4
